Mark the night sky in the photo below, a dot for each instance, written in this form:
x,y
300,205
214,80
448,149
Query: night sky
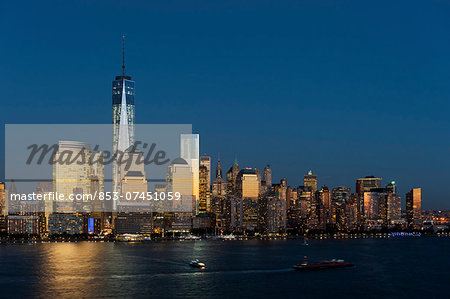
x,y
345,88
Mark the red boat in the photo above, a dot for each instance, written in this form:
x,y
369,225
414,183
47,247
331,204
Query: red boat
x,y
305,266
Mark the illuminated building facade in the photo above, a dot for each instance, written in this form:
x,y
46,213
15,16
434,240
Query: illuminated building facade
x,y
189,151
414,208
248,186
23,224
366,184
67,223
339,211
310,180
204,203
78,176
206,161
123,119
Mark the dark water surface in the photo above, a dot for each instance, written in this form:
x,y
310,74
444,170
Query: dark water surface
x,y
414,267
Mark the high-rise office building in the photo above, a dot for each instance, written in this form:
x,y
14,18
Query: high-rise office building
x,y
179,179
231,177
218,169
248,186
340,197
310,180
371,207
123,119
75,177
2,199
206,161
392,187
204,202
366,184
394,207
267,177
414,208
189,151
325,198
218,195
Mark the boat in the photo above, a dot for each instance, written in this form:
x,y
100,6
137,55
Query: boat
x,y
334,263
227,237
197,264
191,237
131,238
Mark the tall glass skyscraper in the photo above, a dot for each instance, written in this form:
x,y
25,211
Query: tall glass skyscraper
x,y
123,112
123,106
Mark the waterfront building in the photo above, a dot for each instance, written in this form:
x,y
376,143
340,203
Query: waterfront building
x,y
134,223
394,208
414,208
370,206
275,219
23,224
339,200
67,223
204,222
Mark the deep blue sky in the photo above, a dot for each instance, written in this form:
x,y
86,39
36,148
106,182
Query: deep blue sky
x,y
345,88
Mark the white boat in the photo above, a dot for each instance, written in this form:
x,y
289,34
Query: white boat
x,y
228,237
197,264
192,237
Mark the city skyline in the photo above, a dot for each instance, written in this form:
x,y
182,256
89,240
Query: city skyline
x,y
290,113
220,149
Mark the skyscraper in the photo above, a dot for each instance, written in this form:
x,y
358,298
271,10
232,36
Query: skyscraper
x,y
206,161
204,202
76,177
392,187
414,208
366,184
340,197
123,113
218,194
2,199
189,151
248,186
267,177
218,169
310,180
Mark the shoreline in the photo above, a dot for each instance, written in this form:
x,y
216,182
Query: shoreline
x,y
236,238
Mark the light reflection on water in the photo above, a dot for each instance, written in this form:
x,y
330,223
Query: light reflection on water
x,y
234,268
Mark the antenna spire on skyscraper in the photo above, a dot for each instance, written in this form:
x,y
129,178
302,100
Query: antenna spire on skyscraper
x,y
123,55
